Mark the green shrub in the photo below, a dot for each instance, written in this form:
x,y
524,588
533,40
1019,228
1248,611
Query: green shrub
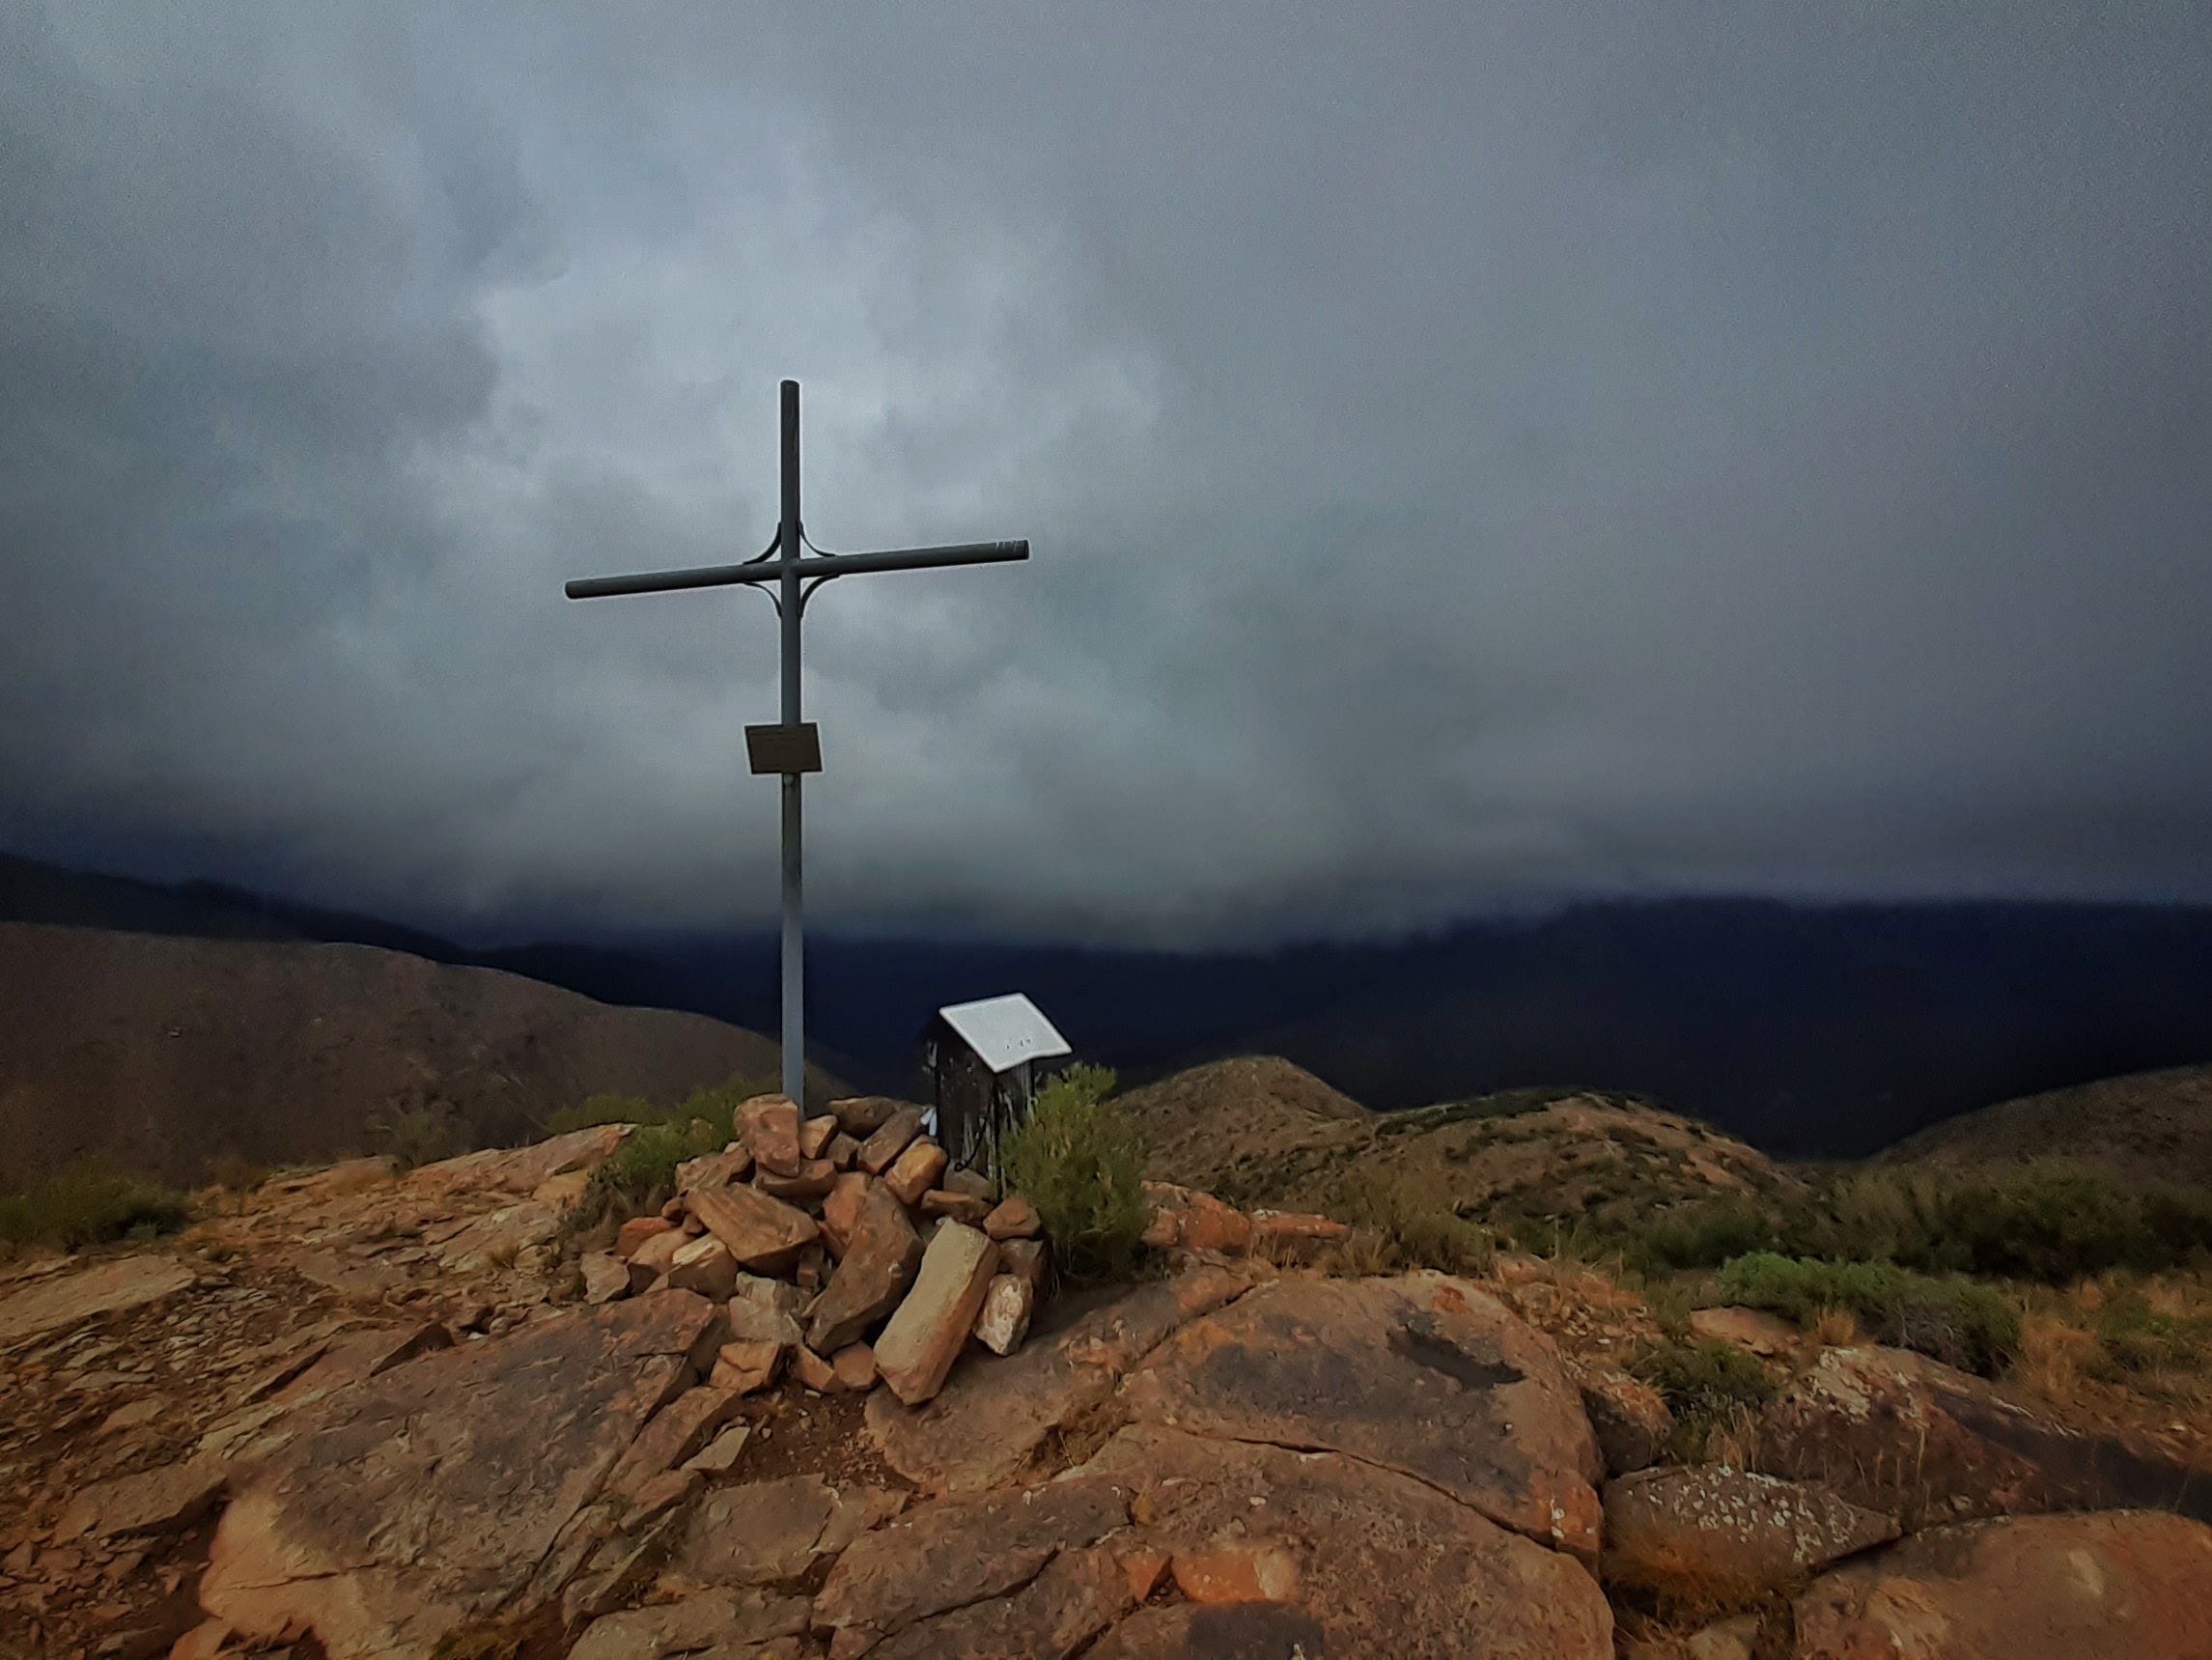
x,y
2049,1223
236,1173
411,1136
1416,1224
718,1106
2133,1336
641,1176
89,1202
1704,1385
1079,1159
1706,1234
2178,1222
605,1108
1952,1319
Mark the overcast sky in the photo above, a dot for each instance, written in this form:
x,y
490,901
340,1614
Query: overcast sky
x,y
1472,454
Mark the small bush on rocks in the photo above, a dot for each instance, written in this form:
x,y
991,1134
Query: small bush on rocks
x,y
87,1202
1952,1319
608,1107
641,1176
718,1106
1707,1385
236,1174
1079,1159
412,1136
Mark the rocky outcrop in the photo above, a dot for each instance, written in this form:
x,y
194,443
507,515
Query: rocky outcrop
x,y
726,1624
766,1533
1900,1433
2030,1588
63,1298
438,1491
1360,1559
422,1449
1712,1536
151,1501
986,1430
1424,1375
956,1553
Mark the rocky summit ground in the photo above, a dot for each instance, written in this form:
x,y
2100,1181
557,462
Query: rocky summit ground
x,y
359,1414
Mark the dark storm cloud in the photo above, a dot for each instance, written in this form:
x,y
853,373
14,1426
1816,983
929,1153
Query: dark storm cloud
x,y
1471,453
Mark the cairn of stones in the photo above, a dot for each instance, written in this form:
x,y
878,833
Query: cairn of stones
x,y
848,1249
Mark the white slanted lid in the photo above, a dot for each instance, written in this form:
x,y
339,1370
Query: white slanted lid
x,y
1005,1032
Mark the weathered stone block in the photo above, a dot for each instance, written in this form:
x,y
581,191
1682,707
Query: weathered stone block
x,y
768,1127
1014,1218
890,1141
914,1171
925,1336
763,1232
879,1267
1006,1310
841,1208
748,1367
635,1232
960,1207
706,1266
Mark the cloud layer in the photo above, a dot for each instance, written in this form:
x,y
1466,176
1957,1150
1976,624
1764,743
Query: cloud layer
x,y
1472,455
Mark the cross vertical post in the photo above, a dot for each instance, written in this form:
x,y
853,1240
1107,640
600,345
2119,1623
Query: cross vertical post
x,y
791,748
789,606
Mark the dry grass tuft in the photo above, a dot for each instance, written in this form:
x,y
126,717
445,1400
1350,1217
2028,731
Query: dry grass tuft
x,y
1837,1328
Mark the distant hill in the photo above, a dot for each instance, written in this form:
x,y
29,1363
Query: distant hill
x,y
1810,1031
1197,1124
2145,1126
1258,1129
164,1053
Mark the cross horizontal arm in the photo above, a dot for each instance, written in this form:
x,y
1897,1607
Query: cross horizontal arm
x,y
823,566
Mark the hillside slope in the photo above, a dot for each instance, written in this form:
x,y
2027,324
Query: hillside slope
x,y
1197,1123
164,1053
1259,1130
2145,1126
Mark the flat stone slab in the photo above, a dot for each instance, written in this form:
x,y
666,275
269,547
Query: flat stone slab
x,y
2134,1583
1264,1545
763,1532
1897,1432
993,1414
519,1169
432,1493
60,1300
1077,1594
1709,1535
1423,1374
953,1553
719,1622
1272,1548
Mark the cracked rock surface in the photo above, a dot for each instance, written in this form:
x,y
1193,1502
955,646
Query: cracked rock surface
x,y
357,1419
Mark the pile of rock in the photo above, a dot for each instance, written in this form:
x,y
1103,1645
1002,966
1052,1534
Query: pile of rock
x,y
846,1248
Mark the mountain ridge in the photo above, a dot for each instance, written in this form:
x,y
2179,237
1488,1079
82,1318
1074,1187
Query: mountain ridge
x,y
1808,1030
160,1054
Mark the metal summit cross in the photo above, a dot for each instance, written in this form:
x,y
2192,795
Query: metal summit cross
x,y
792,747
